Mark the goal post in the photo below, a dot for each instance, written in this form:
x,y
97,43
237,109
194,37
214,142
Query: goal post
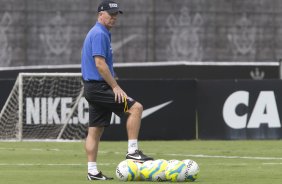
x,y
45,106
9,115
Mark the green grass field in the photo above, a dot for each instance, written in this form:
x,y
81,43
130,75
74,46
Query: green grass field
x,y
221,162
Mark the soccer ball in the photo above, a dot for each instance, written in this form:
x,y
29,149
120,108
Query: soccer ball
x,y
127,170
160,166
193,170
153,170
176,171
144,170
139,165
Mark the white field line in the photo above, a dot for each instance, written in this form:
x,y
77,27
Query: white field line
x,y
278,163
226,157
171,154
38,164
208,156
33,149
228,164
107,164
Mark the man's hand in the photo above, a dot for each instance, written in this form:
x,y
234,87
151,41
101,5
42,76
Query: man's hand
x,y
120,95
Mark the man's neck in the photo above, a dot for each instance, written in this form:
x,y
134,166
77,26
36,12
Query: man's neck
x,y
108,28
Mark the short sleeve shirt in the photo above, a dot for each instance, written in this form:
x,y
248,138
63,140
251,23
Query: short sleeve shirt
x,y
96,43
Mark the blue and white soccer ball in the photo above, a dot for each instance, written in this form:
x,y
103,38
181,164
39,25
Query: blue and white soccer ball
x,y
127,170
153,170
176,171
193,170
139,165
144,170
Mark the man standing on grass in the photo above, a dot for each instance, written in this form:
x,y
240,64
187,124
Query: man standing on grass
x,y
103,93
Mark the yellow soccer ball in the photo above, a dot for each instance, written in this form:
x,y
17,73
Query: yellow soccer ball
x,y
176,171
153,170
139,165
127,170
193,170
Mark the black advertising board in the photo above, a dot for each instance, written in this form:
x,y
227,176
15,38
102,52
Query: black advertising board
x,y
6,87
203,72
226,109
169,110
169,70
239,109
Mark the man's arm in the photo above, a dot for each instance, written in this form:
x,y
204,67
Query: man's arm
x,y
104,71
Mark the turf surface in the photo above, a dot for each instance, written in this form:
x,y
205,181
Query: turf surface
x,y
221,162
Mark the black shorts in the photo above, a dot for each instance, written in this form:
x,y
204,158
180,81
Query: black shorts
x,y
101,99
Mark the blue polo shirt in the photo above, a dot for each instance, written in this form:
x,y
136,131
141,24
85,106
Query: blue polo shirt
x,y
96,43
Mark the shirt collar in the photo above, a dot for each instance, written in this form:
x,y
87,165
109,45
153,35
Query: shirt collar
x,y
102,27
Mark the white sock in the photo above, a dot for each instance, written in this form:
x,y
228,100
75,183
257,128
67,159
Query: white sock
x,y
92,168
132,146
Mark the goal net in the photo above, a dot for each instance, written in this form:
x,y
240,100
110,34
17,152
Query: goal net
x,y
45,106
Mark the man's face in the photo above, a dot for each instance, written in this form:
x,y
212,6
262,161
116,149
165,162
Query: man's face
x,y
108,19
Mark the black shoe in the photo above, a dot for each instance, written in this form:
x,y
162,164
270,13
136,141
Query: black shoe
x,y
98,176
138,156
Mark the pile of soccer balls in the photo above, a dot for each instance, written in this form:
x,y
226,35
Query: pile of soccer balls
x,y
158,170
